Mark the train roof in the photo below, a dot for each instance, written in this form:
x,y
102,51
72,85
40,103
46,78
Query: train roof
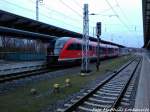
x,y
101,43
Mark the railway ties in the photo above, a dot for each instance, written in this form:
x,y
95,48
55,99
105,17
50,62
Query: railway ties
x,y
20,75
113,93
31,72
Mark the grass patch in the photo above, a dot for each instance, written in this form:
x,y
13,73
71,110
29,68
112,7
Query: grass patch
x,y
20,100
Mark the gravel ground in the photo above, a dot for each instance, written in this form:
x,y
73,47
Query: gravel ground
x,y
60,104
10,86
134,91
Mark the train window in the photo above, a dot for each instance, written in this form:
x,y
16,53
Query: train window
x,y
102,50
72,46
111,50
60,42
78,46
95,49
90,47
56,45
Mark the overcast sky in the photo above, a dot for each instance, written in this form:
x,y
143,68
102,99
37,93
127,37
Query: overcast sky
x,y
121,19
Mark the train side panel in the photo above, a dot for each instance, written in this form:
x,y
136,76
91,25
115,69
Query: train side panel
x,y
70,50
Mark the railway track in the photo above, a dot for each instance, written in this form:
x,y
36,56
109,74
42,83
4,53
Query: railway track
x,y
109,95
15,76
23,74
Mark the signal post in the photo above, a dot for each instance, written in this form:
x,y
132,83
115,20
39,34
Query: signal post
x,y
98,33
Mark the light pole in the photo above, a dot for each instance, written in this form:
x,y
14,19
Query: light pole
x,y
37,9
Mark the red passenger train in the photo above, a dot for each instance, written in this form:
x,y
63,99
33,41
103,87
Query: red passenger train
x,y
68,49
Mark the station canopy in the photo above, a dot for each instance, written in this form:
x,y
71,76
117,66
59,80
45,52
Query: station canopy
x,y
18,26
146,22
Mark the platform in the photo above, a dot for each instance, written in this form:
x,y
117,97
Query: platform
x,y
143,93
7,67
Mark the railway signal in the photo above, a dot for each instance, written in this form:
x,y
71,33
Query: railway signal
x,y
98,28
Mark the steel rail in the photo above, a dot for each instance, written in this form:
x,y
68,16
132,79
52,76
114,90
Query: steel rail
x,y
15,76
24,74
81,100
116,103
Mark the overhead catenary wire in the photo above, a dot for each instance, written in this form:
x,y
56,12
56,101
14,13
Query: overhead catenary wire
x,y
105,10
60,13
124,24
56,19
63,14
76,20
44,15
79,5
71,8
12,3
123,13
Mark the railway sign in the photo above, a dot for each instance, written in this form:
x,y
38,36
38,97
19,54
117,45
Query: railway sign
x,y
98,28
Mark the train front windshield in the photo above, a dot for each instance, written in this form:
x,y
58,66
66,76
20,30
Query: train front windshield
x,y
56,45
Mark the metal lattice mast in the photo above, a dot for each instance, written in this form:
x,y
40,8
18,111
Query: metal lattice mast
x,y
85,38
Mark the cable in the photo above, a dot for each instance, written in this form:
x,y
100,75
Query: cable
x,y
40,13
18,6
77,4
43,14
121,10
58,20
70,8
52,10
105,10
61,14
117,14
123,13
